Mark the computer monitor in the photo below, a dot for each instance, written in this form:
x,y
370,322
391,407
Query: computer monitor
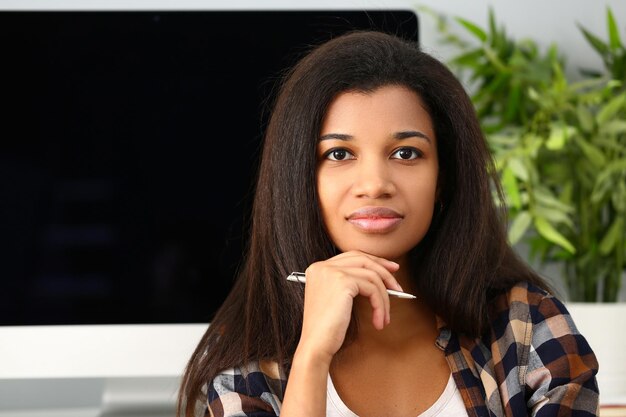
x,y
129,140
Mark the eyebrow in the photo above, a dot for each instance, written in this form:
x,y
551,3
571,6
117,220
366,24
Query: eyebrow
x,y
398,135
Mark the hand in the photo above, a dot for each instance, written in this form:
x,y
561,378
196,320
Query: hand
x,y
331,287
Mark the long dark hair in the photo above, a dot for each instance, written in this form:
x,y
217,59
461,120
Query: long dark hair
x,y
464,260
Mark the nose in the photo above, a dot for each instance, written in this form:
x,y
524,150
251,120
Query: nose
x,y
373,180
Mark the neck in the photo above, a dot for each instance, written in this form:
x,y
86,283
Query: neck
x,y
411,319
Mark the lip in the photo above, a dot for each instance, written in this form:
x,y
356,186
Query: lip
x,y
374,219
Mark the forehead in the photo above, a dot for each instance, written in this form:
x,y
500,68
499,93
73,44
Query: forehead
x,y
390,107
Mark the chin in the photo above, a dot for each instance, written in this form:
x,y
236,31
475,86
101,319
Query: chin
x,y
384,246
379,250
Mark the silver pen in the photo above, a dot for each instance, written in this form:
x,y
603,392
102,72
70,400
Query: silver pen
x,y
299,277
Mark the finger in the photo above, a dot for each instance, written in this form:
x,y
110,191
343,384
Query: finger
x,y
376,299
385,274
378,278
360,274
380,265
391,265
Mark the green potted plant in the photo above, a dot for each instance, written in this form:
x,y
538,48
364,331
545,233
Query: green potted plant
x,y
612,52
560,149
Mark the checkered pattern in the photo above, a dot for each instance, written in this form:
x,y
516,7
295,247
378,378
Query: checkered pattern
x,y
254,390
532,362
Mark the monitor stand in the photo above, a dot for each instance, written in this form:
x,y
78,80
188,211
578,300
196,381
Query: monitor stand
x,y
89,397
135,397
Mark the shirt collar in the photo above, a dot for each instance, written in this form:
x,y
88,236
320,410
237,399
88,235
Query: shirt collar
x,y
444,334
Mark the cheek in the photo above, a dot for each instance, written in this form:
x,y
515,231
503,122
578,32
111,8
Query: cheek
x,y
420,187
332,191
421,199
327,195
429,194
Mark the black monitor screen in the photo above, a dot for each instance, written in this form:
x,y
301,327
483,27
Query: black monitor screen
x,y
128,149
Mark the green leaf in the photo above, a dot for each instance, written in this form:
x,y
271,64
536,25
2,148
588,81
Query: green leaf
x,y
614,39
600,190
612,236
513,103
558,137
517,167
566,193
533,94
492,22
492,56
511,190
608,142
605,182
614,127
588,72
554,216
544,196
613,84
548,232
494,85
619,200
585,118
553,52
519,226
596,43
611,108
532,144
556,172
595,155
468,59
585,173
473,29
617,166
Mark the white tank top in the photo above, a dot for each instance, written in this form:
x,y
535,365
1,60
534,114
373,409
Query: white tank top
x,y
449,404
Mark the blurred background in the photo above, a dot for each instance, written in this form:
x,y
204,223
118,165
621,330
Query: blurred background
x,y
129,137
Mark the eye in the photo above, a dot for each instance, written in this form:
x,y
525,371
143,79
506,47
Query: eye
x,y
407,154
338,154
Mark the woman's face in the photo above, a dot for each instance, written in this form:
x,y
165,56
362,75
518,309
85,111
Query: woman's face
x,y
377,171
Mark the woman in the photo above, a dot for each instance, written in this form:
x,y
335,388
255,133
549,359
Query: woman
x,y
375,176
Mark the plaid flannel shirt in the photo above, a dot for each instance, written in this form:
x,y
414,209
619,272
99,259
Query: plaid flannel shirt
x,y
533,361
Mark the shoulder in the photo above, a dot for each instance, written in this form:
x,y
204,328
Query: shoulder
x,y
529,315
542,313
256,387
521,318
529,304
547,324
